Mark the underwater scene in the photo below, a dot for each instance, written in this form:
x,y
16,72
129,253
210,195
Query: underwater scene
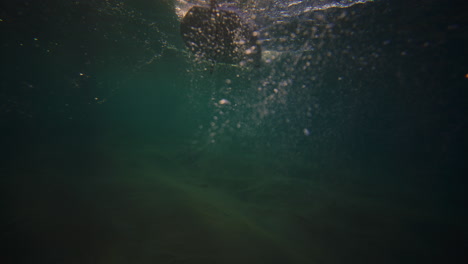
x,y
233,131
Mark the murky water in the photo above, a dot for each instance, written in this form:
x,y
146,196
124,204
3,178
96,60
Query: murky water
x,y
345,144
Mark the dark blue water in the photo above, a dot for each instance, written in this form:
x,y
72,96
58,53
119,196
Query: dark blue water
x,y
347,145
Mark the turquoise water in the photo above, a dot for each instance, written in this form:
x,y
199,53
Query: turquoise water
x,y
347,145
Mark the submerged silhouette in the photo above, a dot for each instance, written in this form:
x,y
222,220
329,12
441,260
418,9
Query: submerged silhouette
x,y
221,35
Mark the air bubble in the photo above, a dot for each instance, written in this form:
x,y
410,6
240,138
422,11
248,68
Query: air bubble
x,y
224,102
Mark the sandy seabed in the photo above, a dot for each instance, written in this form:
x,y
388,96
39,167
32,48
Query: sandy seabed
x,y
158,204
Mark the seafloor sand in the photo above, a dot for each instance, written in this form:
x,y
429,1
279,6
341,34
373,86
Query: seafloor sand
x,y
150,204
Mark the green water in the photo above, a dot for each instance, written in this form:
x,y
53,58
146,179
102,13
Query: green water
x,y
116,146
